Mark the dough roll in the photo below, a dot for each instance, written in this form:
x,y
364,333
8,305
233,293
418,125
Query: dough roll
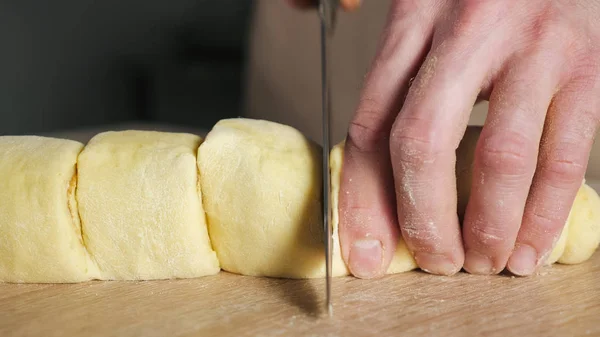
x,y
140,205
141,208
40,232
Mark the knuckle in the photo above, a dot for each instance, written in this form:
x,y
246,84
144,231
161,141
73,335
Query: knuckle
x,y
413,151
562,165
368,131
473,15
561,171
544,225
489,236
507,154
422,238
544,222
585,76
411,146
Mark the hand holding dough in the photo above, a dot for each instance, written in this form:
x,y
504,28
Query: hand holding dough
x,y
261,184
580,236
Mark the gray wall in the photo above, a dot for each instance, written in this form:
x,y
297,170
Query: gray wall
x,y
74,63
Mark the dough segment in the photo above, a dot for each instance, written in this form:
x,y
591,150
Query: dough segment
x,y
261,183
583,230
140,206
40,233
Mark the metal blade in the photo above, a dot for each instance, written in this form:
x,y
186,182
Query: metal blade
x,y
327,10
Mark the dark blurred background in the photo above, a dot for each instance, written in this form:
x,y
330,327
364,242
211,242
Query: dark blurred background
x,y
68,64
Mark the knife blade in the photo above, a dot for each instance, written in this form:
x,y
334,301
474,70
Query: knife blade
x,y
327,12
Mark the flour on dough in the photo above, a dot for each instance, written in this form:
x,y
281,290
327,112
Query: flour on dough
x,y
140,205
141,208
40,233
262,195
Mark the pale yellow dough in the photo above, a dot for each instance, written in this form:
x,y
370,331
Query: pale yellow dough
x,y
40,233
583,236
261,183
140,206
141,197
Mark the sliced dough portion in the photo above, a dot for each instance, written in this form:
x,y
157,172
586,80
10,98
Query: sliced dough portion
x,y
40,232
140,206
261,183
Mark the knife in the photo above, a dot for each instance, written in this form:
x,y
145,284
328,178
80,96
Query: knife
x,y
327,12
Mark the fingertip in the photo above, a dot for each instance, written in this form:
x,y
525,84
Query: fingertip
x,y
480,264
438,264
523,261
366,258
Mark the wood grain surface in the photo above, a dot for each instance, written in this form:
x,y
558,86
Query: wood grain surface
x,y
559,301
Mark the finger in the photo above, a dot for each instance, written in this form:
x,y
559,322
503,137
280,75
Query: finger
x,y
347,5
423,143
567,140
368,222
505,161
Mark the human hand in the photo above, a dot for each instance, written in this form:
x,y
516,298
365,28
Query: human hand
x,y
538,63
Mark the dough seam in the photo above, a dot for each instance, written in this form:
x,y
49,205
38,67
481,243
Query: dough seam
x,y
201,198
77,215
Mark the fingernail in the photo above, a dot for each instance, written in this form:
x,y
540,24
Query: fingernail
x,y
477,263
523,260
436,264
366,258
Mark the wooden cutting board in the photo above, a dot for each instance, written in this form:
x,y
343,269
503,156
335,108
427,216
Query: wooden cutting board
x,y
559,301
